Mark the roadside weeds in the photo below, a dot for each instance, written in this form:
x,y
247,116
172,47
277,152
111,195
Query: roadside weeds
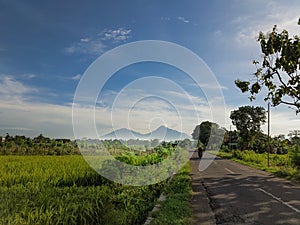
x,y
175,208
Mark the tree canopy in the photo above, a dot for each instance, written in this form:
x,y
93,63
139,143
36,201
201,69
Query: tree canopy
x,y
208,130
248,121
278,71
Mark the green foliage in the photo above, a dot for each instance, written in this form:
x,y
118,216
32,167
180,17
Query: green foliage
x,y
168,156
278,72
40,145
65,190
295,137
295,155
176,208
208,131
247,120
249,156
230,140
282,165
261,158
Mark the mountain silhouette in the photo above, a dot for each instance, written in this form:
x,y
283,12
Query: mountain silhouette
x,y
161,133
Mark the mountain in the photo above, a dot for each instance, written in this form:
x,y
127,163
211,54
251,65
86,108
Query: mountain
x,y
124,134
161,133
165,133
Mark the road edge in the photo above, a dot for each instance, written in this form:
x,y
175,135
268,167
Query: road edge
x,y
200,202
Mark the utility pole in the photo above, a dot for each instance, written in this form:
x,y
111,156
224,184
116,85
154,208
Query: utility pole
x,y
230,139
269,134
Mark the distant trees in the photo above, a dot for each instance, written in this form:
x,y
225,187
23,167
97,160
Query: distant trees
x,y
40,145
185,144
248,121
295,137
279,70
248,135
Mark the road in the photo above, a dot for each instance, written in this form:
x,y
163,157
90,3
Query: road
x,y
239,194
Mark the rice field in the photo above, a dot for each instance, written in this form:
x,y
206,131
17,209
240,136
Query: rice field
x,y
65,190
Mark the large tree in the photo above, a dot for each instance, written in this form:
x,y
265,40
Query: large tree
x,y
208,131
248,120
278,71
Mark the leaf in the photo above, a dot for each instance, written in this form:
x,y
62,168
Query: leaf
x,y
255,88
278,70
243,85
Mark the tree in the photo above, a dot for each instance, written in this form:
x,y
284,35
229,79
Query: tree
x,y
230,140
279,70
208,130
247,120
185,144
295,137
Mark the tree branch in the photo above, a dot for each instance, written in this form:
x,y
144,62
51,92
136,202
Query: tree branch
x,y
280,79
287,103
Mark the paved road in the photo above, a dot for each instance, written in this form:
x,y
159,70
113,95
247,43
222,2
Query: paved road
x,y
240,194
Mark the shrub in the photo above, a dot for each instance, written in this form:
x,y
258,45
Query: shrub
x,y
295,156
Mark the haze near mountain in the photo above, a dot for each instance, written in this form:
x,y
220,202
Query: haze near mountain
x,y
161,133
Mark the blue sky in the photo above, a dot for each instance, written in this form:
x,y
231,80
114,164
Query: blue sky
x,y
46,47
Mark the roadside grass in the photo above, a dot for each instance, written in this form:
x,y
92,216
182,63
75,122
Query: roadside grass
x,y
280,165
176,209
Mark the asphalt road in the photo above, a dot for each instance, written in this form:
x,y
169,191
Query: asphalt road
x,y
240,194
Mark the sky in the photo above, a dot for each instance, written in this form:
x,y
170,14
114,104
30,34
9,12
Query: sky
x,y
47,48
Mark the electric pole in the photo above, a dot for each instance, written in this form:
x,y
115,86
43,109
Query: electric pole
x,y
269,134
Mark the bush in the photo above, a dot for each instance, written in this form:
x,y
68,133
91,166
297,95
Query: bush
x,y
295,156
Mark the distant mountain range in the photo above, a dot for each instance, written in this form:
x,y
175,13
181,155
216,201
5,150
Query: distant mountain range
x,y
161,133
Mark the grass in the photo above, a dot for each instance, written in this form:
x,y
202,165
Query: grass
x,y
176,209
65,190
280,165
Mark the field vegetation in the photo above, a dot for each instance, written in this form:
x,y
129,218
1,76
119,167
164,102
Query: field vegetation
x,y
47,189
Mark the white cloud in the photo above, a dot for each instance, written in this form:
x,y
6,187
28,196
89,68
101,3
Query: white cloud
x,y
56,120
208,86
281,14
96,45
116,35
92,47
76,77
183,19
11,89
49,119
137,108
281,122
84,39
175,109
28,76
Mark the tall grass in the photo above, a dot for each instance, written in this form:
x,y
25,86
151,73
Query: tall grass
x,y
282,165
65,190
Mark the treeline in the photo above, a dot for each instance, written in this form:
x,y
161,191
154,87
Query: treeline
x,y
40,145
115,147
279,144
232,140
242,143
248,134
